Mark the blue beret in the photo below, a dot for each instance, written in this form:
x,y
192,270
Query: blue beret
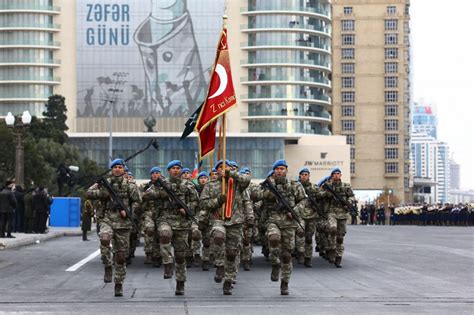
x,y
279,163
322,180
202,174
174,163
234,164
245,170
184,170
155,169
220,162
117,162
336,170
270,174
214,170
130,173
304,170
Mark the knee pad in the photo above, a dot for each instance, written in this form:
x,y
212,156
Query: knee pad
x,y
300,232
150,232
308,240
219,238
165,237
120,258
105,239
206,242
332,231
180,258
246,241
339,240
196,235
286,257
274,240
231,254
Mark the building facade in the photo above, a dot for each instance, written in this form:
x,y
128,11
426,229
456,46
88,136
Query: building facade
x,y
37,54
425,119
455,173
371,91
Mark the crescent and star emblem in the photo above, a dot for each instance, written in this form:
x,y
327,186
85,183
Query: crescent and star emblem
x,y
220,70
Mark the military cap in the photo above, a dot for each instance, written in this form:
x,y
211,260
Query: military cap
x,y
184,170
155,169
130,173
234,164
245,170
279,163
270,174
336,170
322,180
214,170
117,162
202,174
304,170
220,162
174,163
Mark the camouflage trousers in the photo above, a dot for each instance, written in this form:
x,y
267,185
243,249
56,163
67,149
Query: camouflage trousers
x,y
152,245
337,230
304,244
174,239
247,246
281,244
120,245
321,235
134,238
227,241
206,243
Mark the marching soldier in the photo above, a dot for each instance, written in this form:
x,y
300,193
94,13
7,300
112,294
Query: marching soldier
x,y
337,214
280,222
173,225
249,231
86,218
196,243
137,217
227,212
116,225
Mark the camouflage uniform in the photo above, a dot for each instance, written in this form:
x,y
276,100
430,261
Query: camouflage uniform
x,y
309,216
280,229
114,229
337,217
173,228
152,246
249,231
226,233
134,235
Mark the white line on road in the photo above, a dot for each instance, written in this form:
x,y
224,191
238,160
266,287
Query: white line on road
x,y
84,261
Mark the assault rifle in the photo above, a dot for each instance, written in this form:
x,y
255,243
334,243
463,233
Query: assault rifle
x,y
118,201
267,184
341,200
189,215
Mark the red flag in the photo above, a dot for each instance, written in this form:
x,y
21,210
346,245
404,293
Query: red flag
x,y
207,139
221,95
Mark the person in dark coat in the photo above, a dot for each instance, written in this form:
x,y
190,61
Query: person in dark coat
x,y
41,206
20,210
7,209
86,216
30,217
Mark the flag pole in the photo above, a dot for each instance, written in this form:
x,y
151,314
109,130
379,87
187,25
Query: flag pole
x,y
224,159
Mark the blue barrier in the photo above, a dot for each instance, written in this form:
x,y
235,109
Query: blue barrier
x,y
65,212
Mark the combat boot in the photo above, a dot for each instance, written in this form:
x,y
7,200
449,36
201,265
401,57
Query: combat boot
x,y
148,259
300,258
108,274
168,272
205,265
331,256
179,288
219,274
129,260
197,260
337,261
157,262
118,289
307,262
246,265
227,287
189,261
284,288
275,273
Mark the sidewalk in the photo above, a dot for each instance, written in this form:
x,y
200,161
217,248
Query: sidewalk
x,y
22,239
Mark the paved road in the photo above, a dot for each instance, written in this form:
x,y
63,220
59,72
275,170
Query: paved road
x,y
385,270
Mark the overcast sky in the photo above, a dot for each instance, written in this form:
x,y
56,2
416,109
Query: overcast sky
x,y
443,73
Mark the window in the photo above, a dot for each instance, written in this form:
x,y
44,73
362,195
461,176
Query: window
x,y
391,25
391,110
347,10
350,139
391,139
348,39
391,9
347,110
391,153
391,82
391,53
391,96
391,168
391,39
391,124
347,25
353,168
348,97
353,153
348,125
347,68
391,67
348,82
348,53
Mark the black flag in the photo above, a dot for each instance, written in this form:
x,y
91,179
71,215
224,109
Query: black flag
x,y
191,123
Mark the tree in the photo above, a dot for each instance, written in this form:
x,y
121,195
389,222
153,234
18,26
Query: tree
x,y
388,198
53,125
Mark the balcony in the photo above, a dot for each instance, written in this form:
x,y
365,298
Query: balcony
x,y
11,43
287,114
30,26
300,80
28,61
30,80
282,97
17,6
286,44
273,27
286,62
270,7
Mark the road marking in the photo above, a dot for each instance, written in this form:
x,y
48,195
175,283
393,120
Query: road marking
x,y
84,261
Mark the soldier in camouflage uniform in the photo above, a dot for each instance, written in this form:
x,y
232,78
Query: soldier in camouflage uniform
x,y
202,178
150,211
247,245
226,232
137,217
337,215
280,225
173,224
115,226
321,236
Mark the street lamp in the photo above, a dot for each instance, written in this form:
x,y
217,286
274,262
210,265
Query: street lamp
x,y
18,128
